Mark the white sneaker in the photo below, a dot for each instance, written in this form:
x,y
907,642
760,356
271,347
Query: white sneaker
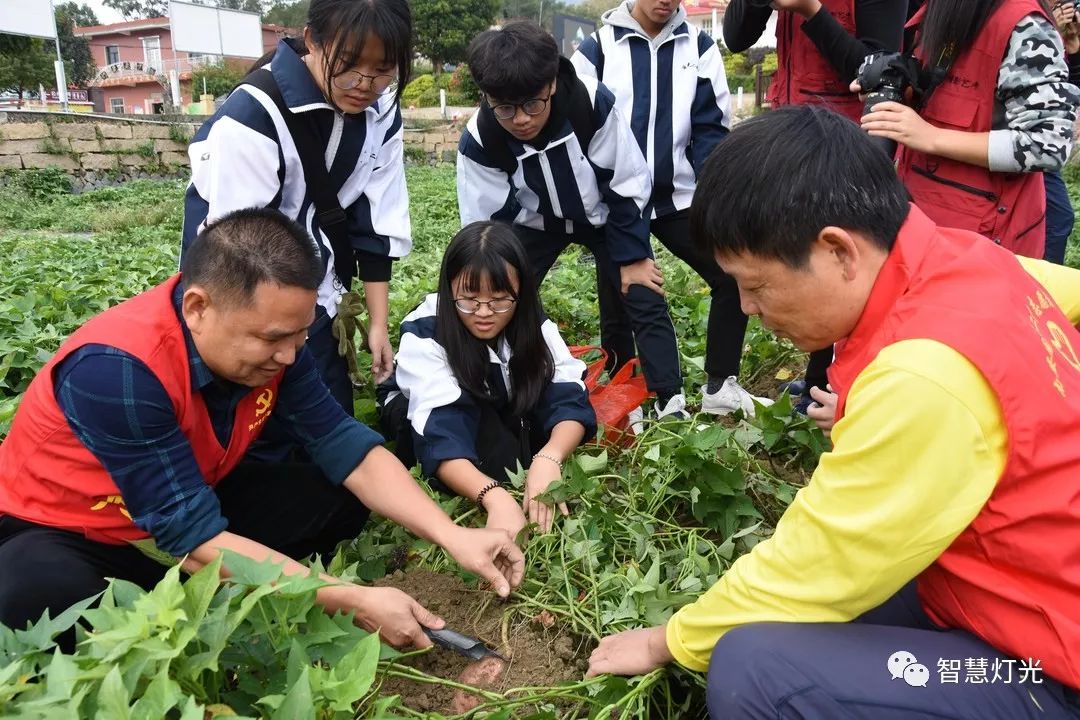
x,y
675,408
729,398
637,420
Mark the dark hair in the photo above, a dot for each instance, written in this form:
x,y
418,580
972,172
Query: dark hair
x,y
488,251
514,63
950,26
780,178
235,254
342,26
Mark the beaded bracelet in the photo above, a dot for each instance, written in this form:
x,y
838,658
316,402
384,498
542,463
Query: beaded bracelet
x,y
549,457
484,491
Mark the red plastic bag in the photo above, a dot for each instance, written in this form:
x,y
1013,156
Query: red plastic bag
x,y
612,402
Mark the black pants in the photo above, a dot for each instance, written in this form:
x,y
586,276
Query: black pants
x,y
727,322
816,367
289,507
646,312
501,441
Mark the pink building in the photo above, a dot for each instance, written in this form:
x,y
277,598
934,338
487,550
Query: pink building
x,y
131,56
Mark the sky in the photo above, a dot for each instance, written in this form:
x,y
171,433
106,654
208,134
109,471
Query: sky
x,y
104,14
108,15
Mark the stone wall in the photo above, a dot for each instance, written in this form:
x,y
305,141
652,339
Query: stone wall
x,y
94,146
106,145
436,145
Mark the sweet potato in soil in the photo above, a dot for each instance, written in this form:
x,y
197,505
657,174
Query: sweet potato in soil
x,y
537,657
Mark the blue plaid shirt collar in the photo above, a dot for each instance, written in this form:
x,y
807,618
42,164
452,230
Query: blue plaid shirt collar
x,y
200,374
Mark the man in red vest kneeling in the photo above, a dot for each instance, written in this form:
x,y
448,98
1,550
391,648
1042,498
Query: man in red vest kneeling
x,y
930,567
135,433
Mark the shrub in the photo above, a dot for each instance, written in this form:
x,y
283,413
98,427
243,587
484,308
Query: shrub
x,y
463,85
220,79
419,86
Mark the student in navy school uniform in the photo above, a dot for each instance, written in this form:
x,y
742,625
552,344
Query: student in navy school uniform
x,y
340,84
550,152
484,381
668,79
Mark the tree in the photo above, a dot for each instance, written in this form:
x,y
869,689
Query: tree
x,y
532,9
289,14
443,28
592,9
78,61
81,15
24,64
218,79
137,9
255,6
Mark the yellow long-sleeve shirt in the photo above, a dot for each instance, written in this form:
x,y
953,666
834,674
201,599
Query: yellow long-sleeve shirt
x,y
916,456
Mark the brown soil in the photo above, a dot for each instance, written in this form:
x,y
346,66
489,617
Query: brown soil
x,y
538,656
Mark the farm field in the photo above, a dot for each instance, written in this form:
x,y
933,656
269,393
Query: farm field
x,y
651,526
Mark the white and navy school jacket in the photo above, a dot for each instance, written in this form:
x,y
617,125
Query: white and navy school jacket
x,y
672,89
444,417
244,157
564,186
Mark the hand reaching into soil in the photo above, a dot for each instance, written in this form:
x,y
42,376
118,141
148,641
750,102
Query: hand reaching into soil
x,y
489,553
397,617
633,652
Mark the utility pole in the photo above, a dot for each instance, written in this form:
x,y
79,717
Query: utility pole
x,y
61,77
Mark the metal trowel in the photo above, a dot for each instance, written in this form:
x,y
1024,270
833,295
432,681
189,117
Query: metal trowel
x,y
462,644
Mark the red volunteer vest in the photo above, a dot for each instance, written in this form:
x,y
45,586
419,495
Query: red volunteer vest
x,y
47,476
803,75
1009,208
1012,576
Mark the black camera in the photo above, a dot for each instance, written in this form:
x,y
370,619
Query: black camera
x,y
885,77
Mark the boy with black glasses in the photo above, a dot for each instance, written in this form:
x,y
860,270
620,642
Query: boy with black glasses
x,y
549,153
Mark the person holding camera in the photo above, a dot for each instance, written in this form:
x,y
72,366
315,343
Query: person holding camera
x,y
996,110
820,45
1060,216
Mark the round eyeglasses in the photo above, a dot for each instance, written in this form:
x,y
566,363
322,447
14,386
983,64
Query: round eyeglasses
x,y
380,84
470,306
507,111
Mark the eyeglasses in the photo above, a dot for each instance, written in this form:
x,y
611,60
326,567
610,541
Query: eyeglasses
x,y
507,111
470,306
380,84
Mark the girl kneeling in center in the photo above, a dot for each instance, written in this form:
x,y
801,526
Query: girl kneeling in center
x,y
484,381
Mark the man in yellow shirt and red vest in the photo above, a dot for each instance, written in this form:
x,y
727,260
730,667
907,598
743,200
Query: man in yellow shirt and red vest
x,y
930,567
135,433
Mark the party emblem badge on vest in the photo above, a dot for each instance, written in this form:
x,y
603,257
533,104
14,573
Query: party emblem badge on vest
x,y
263,406
116,500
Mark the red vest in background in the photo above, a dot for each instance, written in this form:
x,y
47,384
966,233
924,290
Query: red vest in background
x,y
1008,208
47,476
1012,577
803,75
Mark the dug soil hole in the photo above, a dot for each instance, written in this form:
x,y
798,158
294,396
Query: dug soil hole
x,y
537,656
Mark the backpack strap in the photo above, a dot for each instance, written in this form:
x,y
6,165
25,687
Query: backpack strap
x,y
332,218
599,57
579,112
493,138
